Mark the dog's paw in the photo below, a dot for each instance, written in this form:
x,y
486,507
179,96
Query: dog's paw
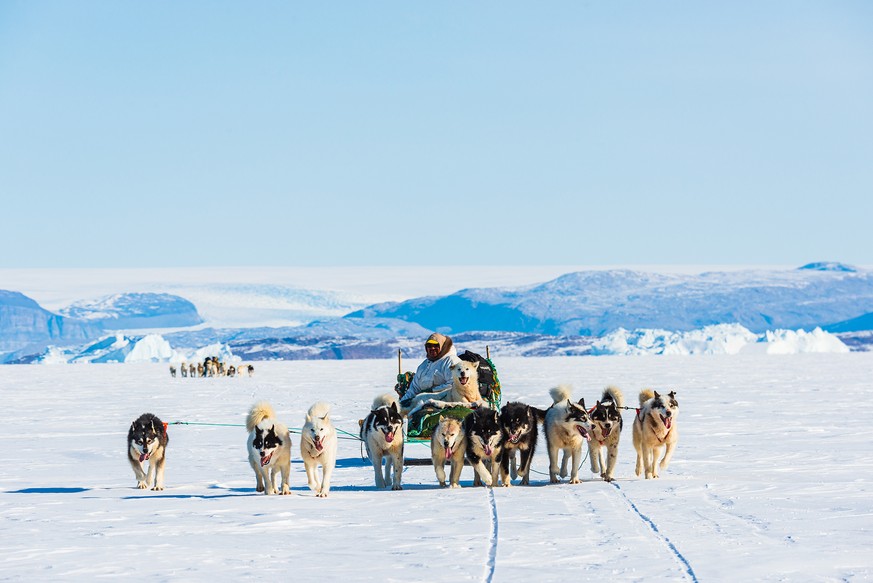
x,y
321,494
396,487
141,485
158,488
442,484
454,485
575,481
555,479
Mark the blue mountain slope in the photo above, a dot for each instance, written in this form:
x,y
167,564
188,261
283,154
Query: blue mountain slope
x,y
137,310
24,323
593,303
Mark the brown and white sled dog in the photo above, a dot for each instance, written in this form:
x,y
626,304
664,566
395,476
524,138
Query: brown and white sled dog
x,y
448,443
318,446
606,426
382,434
147,441
484,445
568,428
654,428
269,445
463,392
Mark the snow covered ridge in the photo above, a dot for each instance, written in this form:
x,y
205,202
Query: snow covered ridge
x,y
720,339
135,310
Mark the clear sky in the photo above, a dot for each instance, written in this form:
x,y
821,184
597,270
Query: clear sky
x,y
162,134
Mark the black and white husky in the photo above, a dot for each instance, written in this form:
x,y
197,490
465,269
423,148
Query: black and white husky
x,y
484,445
606,425
518,422
269,446
655,428
318,446
147,442
568,428
382,434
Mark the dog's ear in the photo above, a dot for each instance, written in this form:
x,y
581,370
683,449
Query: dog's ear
x,y
475,364
394,407
582,403
657,396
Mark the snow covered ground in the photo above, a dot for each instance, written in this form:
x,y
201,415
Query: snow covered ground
x,y
771,480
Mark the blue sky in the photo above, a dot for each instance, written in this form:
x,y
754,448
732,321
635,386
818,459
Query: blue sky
x,y
163,134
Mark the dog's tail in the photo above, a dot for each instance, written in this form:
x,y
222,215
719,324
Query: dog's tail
x,y
260,411
318,410
385,401
614,394
561,393
645,395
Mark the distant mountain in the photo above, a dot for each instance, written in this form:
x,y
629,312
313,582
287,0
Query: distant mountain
x,y
595,303
131,311
24,324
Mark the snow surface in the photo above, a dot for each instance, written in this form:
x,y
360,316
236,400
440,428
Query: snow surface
x,y
771,480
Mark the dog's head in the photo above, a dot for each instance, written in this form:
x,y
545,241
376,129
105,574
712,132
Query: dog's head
x,y
577,415
388,420
448,435
516,421
483,425
606,416
666,406
465,373
266,441
318,426
145,435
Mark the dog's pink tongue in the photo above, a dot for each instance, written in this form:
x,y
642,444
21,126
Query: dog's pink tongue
x,y
266,459
318,445
488,450
144,457
389,437
668,422
448,452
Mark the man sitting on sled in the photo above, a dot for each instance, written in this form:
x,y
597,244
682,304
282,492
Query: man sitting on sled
x,y
434,375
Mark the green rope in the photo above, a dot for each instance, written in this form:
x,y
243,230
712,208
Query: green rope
x,y
290,429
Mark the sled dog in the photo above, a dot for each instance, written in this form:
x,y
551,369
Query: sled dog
x,y
269,445
567,427
448,443
463,392
382,434
147,441
518,423
484,444
654,428
606,425
318,446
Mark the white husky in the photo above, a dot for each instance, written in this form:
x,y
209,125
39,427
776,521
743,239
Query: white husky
x,y
463,392
318,446
269,446
654,428
448,443
568,428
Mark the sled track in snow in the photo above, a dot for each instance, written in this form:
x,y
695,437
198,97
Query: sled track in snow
x,y
492,547
658,533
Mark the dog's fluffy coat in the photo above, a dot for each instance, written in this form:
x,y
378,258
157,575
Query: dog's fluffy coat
x,y
147,441
606,425
655,428
484,445
318,446
518,422
448,443
567,427
269,446
382,434
463,392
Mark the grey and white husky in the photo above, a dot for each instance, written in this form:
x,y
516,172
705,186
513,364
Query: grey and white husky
x,y
269,446
382,434
606,425
448,443
568,428
655,428
147,442
318,446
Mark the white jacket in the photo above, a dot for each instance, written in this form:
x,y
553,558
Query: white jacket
x,y
432,377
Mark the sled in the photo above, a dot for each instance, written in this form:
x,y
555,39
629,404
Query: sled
x,y
420,426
